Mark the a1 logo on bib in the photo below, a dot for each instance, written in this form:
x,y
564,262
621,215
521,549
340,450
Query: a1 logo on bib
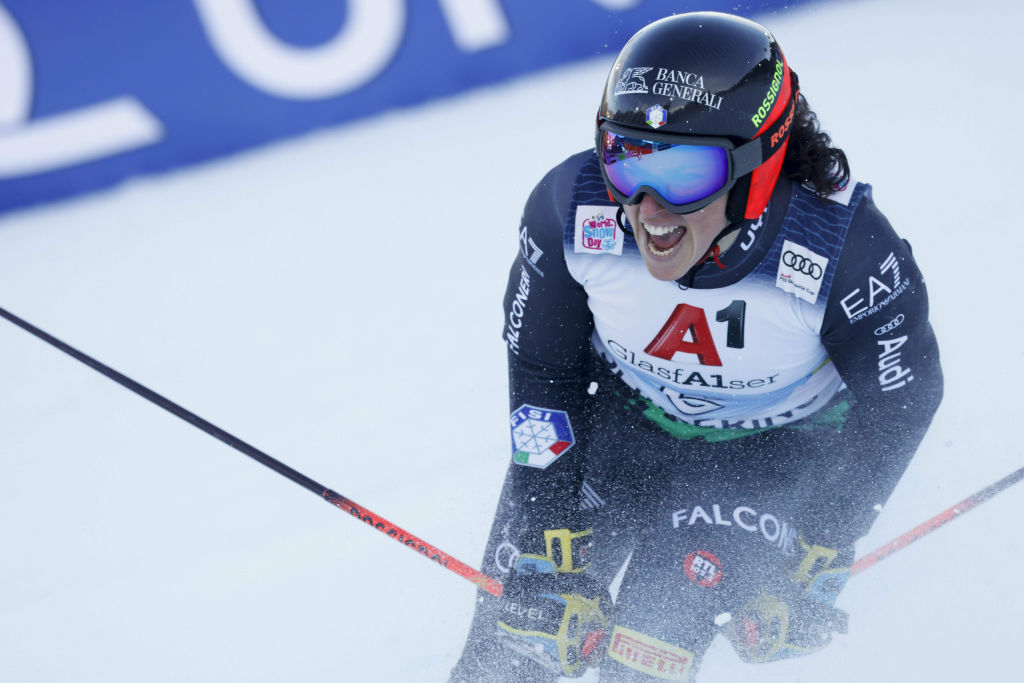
x,y
597,231
539,435
800,271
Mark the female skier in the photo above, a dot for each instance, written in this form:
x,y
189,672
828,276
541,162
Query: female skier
x,y
720,365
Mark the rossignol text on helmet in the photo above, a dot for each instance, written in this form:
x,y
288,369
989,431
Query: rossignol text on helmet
x,y
697,105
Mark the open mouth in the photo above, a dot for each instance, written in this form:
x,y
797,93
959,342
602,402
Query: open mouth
x,y
662,240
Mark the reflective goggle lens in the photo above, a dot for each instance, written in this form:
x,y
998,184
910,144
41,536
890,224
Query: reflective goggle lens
x,y
681,174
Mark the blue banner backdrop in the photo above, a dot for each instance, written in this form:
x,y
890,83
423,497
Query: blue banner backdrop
x,y
95,91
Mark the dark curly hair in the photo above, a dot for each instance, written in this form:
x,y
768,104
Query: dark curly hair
x,y
810,158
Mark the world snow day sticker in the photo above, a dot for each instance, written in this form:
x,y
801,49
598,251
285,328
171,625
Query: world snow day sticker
x,y
539,435
597,231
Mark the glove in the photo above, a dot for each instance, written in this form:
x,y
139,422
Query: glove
x,y
559,620
784,623
796,615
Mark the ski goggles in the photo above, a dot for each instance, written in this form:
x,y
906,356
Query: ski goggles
x,y
683,173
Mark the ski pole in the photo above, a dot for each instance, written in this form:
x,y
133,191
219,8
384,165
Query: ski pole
x,y
375,521
925,528
417,544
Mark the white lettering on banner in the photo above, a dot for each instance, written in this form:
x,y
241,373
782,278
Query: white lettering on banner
x,y
359,52
617,5
362,49
780,534
476,24
15,72
481,24
60,140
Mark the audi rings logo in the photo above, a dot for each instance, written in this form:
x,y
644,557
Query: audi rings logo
x,y
889,326
802,264
800,271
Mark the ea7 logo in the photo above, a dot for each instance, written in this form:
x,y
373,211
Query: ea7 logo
x,y
858,304
529,249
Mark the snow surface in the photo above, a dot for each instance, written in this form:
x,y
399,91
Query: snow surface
x,y
335,301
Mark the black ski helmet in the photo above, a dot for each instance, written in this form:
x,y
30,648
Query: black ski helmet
x,y
713,75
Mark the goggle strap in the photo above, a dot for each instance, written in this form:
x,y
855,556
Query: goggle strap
x,y
747,157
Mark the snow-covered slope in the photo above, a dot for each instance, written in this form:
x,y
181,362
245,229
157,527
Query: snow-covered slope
x,y
335,301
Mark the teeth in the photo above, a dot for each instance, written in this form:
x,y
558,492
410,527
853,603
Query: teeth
x,y
659,230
